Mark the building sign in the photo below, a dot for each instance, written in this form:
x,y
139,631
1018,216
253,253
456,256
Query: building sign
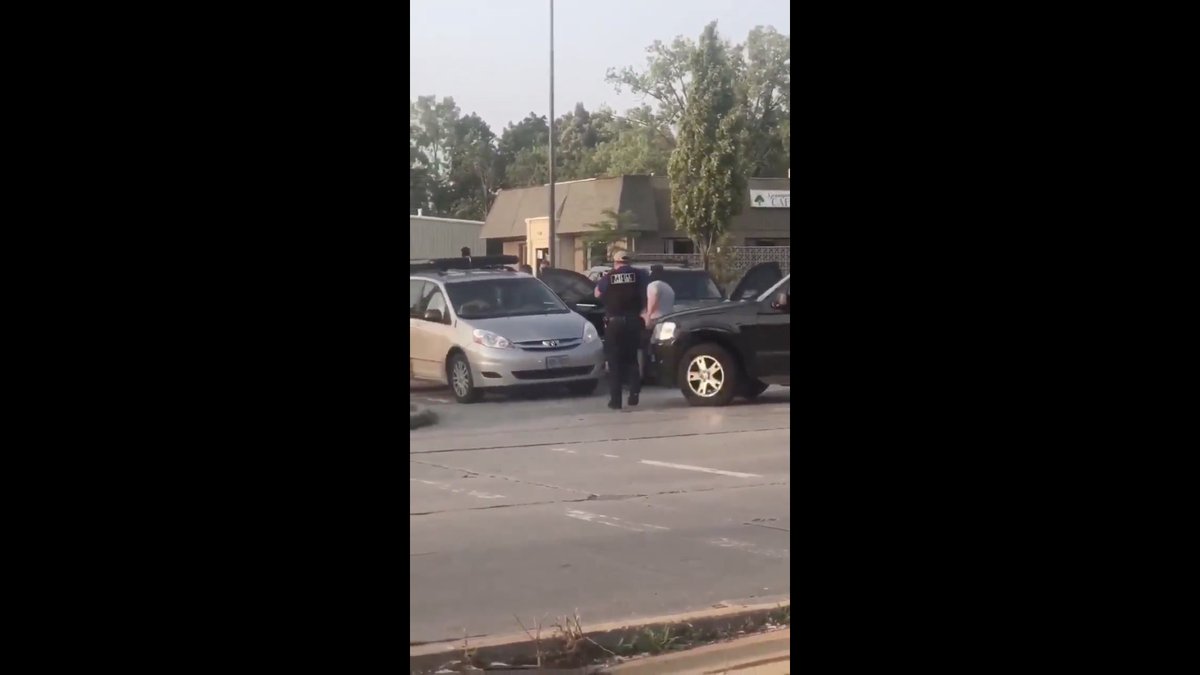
x,y
771,199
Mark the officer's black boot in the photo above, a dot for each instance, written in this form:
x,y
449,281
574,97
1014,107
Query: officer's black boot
x,y
634,371
614,375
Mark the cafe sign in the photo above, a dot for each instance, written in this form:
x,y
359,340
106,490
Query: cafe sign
x,y
771,199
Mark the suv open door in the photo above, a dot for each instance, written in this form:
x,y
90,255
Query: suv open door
x,y
756,280
578,292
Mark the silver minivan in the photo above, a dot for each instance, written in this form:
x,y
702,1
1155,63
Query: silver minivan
x,y
478,329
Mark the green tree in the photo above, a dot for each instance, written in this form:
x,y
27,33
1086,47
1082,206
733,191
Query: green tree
x,y
762,77
522,149
666,78
578,134
613,230
472,170
637,143
431,123
454,163
418,174
707,183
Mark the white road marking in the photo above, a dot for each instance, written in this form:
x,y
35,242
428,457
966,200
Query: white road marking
x,y
746,546
613,456
569,452
443,486
688,467
438,400
612,521
484,495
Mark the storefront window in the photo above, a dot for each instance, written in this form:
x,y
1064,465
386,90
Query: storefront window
x,y
679,246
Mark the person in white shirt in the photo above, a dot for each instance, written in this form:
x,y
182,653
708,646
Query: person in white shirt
x,y
660,297
660,301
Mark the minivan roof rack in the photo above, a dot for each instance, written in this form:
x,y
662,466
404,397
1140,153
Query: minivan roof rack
x,y
479,262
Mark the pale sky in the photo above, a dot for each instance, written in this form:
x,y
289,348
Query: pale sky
x,y
493,56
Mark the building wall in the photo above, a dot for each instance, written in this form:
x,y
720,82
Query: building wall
x,y
516,213
443,237
564,256
578,255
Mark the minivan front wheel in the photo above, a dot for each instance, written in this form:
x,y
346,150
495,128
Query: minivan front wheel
x,y
708,375
458,374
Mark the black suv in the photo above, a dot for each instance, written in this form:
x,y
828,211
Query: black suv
x,y
693,288
735,348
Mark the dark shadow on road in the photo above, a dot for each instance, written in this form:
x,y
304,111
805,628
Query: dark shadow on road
x,y
678,402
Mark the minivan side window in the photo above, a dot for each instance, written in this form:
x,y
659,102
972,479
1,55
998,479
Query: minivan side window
x,y
435,300
416,289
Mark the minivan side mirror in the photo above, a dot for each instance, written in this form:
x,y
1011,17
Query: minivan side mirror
x,y
782,302
434,315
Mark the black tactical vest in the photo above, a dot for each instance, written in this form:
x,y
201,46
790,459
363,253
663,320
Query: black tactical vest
x,y
624,294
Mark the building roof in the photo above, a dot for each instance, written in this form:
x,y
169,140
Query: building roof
x,y
578,203
413,217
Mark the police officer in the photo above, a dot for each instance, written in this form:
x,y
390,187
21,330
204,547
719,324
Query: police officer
x,y
622,290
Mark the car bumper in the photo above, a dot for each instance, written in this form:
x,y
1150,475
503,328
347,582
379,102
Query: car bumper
x,y
514,367
664,361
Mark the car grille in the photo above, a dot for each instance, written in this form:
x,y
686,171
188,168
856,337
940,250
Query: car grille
x,y
563,344
551,373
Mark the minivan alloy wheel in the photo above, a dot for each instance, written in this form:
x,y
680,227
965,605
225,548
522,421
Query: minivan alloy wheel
x,y
461,378
705,376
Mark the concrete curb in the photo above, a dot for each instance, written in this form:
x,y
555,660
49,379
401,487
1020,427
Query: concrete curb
x,y
766,653
420,417
712,628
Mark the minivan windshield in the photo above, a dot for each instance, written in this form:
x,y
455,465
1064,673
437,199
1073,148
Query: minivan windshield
x,y
503,297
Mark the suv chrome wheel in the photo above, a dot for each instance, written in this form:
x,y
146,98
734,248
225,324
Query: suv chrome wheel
x,y
709,375
705,376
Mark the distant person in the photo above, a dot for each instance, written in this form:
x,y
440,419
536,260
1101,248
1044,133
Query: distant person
x,y
622,290
466,252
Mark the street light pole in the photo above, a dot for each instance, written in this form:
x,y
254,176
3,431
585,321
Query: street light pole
x,y
551,144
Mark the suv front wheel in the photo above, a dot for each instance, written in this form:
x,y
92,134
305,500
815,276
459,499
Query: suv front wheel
x,y
708,375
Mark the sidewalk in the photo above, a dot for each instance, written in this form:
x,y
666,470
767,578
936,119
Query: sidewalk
x,y
766,654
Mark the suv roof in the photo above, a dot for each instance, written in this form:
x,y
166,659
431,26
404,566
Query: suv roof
x,y
453,276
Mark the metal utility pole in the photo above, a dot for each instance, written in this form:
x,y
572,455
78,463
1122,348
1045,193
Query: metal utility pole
x,y
551,144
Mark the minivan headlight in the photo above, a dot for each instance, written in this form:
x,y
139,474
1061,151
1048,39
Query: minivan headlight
x,y
589,332
664,330
489,339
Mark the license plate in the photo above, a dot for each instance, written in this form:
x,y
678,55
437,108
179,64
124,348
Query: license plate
x,y
556,361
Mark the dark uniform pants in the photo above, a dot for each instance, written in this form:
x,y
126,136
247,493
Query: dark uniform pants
x,y
622,341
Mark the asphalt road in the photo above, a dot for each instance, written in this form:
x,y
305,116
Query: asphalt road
x,y
541,506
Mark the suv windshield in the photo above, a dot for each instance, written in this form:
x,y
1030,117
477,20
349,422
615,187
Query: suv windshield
x,y
691,284
503,297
